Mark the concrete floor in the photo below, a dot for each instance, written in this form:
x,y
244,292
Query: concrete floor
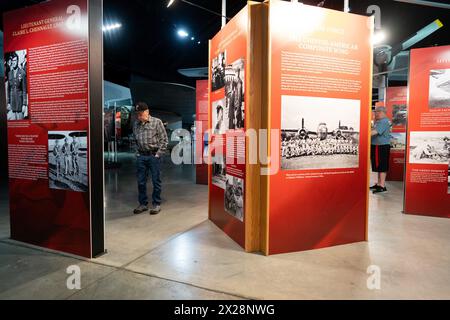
x,y
180,255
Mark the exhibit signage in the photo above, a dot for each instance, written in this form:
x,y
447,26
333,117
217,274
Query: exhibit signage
x,y
53,54
427,183
201,140
320,67
227,106
307,82
396,107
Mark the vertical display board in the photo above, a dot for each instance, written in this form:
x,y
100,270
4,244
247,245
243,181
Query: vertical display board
x,y
396,107
427,183
201,140
234,106
53,54
320,71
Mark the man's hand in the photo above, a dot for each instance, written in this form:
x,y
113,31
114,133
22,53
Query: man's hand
x,y
8,107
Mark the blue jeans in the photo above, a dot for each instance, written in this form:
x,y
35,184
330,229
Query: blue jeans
x,y
146,165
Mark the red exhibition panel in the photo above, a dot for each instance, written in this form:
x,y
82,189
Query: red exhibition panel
x,y
46,49
396,107
320,84
427,189
201,140
228,95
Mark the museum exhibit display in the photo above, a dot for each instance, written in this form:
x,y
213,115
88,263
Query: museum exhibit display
x,y
54,100
310,188
427,181
234,106
396,107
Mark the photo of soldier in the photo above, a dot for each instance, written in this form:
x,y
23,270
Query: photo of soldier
x,y
234,197
219,116
218,72
235,94
67,160
16,85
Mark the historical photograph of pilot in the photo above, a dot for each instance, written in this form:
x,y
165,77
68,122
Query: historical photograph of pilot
x,y
218,71
399,115
398,140
234,197
67,160
319,133
439,89
219,116
235,94
429,147
16,85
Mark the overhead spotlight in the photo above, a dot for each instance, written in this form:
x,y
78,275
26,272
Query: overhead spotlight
x,y
110,27
182,33
378,37
198,42
192,38
170,3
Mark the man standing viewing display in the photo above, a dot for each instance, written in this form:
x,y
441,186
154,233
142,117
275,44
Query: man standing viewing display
x,y
151,141
380,148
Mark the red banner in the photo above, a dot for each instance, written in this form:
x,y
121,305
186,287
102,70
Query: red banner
x,y
427,183
396,107
320,101
46,52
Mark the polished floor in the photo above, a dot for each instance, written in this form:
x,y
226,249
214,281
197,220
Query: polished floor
x,y
179,254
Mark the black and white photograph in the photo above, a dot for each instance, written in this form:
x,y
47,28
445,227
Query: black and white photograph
x,y
235,94
218,66
16,85
67,160
439,89
399,115
218,171
398,141
219,116
319,133
234,197
429,147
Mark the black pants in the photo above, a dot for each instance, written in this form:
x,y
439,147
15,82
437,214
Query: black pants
x,y
379,155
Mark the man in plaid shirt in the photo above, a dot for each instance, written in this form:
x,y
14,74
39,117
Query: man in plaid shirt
x,y
151,140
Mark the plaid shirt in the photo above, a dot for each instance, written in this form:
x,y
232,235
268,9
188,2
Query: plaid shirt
x,y
151,136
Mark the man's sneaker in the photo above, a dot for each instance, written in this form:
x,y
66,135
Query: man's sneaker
x,y
140,209
374,187
379,190
155,209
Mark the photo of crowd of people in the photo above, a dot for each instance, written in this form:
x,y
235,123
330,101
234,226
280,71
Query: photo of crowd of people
x,y
429,147
218,71
439,96
67,160
235,94
234,197
16,85
319,133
